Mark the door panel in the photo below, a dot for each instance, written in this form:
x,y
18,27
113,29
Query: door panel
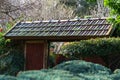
x,y
34,56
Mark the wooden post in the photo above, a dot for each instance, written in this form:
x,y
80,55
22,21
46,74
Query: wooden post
x,y
46,54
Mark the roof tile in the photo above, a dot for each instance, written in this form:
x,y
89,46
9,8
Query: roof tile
x,y
81,27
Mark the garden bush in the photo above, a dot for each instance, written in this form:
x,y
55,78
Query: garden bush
x,y
11,58
49,74
67,71
4,77
79,66
71,70
3,44
99,46
11,63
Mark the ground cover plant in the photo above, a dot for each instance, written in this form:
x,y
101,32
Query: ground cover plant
x,y
70,70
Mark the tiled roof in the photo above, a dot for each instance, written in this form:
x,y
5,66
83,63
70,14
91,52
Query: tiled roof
x,y
55,28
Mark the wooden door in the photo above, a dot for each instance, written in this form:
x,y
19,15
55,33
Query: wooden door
x,y
34,56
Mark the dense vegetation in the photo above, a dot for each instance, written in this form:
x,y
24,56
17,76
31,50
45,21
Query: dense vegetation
x,y
114,6
80,7
105,50
11,63
99,46
4,48
71,70
11,59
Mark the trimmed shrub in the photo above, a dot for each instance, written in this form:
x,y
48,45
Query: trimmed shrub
x,y
99,46
4,77
71,70
49,74
79,66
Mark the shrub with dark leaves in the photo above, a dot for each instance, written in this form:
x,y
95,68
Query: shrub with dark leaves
x,y
11,63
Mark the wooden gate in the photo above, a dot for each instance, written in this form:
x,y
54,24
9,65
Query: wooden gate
x,y
34,56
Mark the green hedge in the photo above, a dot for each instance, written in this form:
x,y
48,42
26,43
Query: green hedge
x,y
99,46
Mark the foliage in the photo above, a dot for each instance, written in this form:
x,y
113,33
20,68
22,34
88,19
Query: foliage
x,y
92,1
52,57
83,67
11,59
114,5
71,70
58,75
99,46
68,71
49,74
116,32
9,25
116,25
3,44
80,7
11,62
4,77
69,2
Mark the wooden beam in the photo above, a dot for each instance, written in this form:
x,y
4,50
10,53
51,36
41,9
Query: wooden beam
x,y
55,38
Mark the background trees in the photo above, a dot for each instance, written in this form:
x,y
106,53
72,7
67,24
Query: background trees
x,y
114,6
81,8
